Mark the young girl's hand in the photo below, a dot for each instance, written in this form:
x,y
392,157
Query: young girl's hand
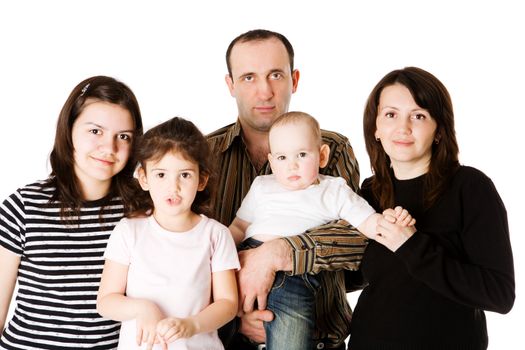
x,y
148,316
172,328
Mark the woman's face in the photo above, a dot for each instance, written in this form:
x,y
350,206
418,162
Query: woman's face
x,y
406,131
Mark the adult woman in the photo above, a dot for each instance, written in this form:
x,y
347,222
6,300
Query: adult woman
x,y
428,285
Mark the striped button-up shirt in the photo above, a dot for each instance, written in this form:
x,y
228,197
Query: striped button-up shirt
x,y
324,250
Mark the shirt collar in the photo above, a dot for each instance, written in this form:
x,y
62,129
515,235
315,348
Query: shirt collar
x,y
233,132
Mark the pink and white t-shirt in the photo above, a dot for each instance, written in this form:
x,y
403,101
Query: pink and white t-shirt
x,y
172,269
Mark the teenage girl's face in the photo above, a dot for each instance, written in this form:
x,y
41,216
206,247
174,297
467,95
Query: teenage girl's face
x,y
102,138
406,130
173,182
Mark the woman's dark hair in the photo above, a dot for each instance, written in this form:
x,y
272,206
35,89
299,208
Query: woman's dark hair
x,y
182,136
429,93
68,190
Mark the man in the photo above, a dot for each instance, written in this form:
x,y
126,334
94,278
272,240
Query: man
x,y
262,79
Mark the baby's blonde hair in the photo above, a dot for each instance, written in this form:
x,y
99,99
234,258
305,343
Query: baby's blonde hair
x,y
295,117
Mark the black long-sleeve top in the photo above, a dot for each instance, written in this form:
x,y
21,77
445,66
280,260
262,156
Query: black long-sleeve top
x,y
431,292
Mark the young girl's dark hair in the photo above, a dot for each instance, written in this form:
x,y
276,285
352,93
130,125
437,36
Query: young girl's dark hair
x,y
429,93
182,136
68,190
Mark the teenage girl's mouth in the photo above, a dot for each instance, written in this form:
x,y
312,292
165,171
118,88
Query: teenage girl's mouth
x,y
104,161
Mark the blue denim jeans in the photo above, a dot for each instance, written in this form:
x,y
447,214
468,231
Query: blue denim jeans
x,y
292,301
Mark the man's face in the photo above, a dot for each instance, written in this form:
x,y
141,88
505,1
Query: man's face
x,y
261,82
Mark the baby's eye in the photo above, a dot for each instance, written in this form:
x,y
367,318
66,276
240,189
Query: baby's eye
x,y
302,154
281,157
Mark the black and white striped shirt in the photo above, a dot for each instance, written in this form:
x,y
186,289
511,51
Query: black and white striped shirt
x,y
59,273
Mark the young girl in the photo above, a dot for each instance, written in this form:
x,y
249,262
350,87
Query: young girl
x,y
170,270
53,232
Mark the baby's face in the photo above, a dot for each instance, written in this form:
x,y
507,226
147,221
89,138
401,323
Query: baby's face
x,y
294,156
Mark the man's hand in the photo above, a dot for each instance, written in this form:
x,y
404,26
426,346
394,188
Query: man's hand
x,y
252,324
257,273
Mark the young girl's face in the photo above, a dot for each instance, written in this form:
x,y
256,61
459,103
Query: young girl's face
x,y
102,138
173,182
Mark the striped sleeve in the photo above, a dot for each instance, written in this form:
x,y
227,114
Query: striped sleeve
x,y
12,223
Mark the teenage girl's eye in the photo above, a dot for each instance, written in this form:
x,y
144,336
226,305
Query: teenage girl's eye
x,y
124,137
420,116
281,158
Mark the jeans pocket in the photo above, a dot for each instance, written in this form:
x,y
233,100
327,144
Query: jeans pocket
x,y
280,278
312,282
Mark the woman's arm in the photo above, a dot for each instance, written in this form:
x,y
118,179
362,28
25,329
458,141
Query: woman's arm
x,y
218,313
9,262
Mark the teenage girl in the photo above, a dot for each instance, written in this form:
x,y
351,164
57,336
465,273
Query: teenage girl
x,y
53,232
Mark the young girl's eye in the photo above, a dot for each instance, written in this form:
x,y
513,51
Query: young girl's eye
x,y
160,175
185,175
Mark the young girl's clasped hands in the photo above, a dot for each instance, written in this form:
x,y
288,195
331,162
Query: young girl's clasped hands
x,y
170,270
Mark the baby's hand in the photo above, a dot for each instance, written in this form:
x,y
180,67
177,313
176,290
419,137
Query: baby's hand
x,y
172,328
399,216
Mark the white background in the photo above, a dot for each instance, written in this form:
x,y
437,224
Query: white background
x,y
171,53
